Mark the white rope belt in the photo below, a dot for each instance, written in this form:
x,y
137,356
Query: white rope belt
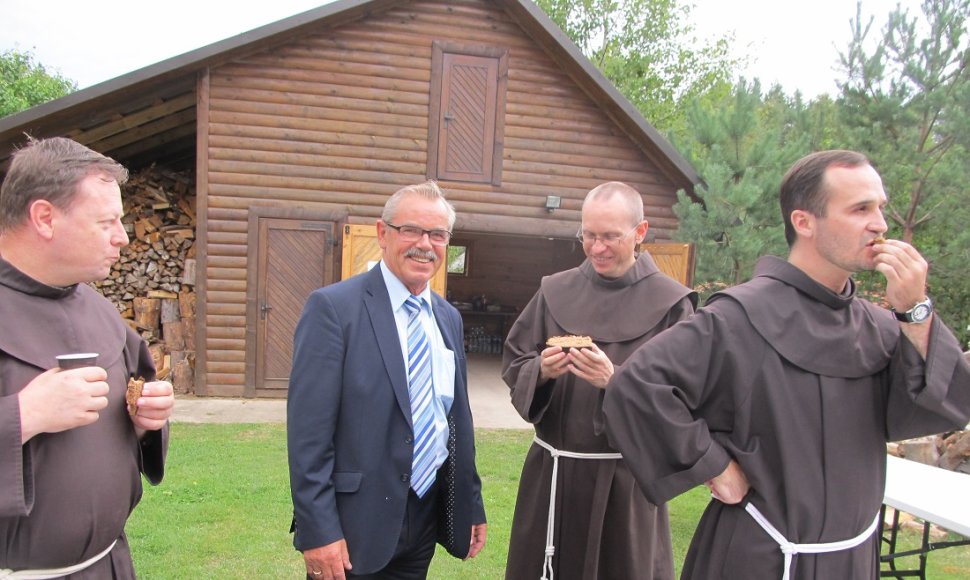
x,y
47,573
556,454
789,549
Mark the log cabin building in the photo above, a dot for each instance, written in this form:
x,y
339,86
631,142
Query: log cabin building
x,y
297,133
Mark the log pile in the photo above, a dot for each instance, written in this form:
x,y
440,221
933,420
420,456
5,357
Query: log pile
x,y
153,284
949,450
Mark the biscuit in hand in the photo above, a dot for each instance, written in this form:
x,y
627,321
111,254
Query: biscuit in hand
x,y
135,387
570,341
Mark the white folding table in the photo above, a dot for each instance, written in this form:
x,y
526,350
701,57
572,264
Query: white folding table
x,y
934,495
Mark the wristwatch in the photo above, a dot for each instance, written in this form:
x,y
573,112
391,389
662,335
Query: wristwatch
x,y
917,314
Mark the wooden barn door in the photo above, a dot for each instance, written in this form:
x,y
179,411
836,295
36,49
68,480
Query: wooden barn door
x,y
674,259
361,252
294,257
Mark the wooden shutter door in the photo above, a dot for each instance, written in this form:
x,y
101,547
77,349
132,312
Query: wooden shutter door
x,y
673,259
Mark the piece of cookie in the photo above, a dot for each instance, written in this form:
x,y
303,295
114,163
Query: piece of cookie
x,y
570,341
135,387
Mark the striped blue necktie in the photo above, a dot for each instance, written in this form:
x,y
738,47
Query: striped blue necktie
x,y
421,392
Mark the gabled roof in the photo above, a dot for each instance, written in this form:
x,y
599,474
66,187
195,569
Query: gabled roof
x,y
150,114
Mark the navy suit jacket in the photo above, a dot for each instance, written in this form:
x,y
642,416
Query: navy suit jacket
x,y
349,427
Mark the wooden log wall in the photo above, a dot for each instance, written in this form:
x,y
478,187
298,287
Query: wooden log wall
x,y
341,118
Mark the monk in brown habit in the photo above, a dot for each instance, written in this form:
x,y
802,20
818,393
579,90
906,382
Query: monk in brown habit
x,y
71,455
598,524
780,394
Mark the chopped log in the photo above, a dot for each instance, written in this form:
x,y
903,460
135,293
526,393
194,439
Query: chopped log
x,y
170,308
188,276
165,369
172,335
923,449
188,332
187,206
187,304
956,450
147,312
183,375
158,354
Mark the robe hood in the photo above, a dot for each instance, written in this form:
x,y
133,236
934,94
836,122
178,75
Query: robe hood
x,y
44,333
591,309
812,336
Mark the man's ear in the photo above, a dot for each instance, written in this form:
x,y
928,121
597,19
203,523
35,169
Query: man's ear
x,y
642,231
803,223
381,234
40,217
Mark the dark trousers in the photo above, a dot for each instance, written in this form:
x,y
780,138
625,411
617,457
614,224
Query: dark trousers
x,y
416,544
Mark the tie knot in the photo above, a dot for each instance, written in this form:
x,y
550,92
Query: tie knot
x,y
413,304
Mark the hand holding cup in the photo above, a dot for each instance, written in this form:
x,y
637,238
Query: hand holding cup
x,y
62,398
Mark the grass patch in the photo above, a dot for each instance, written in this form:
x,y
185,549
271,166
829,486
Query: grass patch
x,y
224,510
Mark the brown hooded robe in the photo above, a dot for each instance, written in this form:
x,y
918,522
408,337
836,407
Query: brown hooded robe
x,y
64,497
604,527
802,387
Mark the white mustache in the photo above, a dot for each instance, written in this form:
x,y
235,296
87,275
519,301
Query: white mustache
x,y
419,253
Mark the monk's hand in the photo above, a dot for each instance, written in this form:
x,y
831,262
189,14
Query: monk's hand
x,y
58,400
154,406
592,365
553,363
328,562
905,271
731,485
479,533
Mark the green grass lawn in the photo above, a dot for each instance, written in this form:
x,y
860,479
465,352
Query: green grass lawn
x,y
224,510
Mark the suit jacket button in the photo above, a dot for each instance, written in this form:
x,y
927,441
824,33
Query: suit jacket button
x,y
409,439
405,477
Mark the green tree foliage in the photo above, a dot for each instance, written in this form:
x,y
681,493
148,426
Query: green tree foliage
x,y
741,147
905,102
24,82
647,49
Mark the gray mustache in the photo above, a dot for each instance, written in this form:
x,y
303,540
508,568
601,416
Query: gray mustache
x,y
419,253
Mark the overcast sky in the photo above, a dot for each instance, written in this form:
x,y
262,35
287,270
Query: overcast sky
x,y
792,42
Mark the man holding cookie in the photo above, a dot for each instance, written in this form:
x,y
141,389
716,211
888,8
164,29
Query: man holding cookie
x,y
71,452
579,512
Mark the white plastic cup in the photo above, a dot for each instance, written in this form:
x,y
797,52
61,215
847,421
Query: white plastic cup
x,y
77,360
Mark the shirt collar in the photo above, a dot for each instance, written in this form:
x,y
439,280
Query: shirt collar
x,y
398,293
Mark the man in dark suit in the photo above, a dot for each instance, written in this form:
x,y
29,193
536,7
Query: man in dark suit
x,y
374,355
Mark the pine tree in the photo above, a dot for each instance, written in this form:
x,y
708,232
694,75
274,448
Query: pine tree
x,y
741,151
905,102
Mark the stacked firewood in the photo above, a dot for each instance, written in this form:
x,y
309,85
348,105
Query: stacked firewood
x,y
152,285
949,450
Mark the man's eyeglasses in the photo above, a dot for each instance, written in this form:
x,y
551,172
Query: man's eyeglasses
x,y
606,239
414,234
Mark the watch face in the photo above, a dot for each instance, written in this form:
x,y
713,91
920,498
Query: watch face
x,y
920,313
